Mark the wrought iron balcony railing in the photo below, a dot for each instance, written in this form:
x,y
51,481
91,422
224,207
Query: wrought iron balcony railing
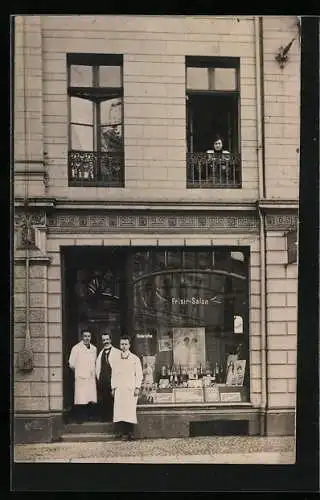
x,y
209,170
91,168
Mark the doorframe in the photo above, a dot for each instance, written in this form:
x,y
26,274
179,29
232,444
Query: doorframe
x,y
125,319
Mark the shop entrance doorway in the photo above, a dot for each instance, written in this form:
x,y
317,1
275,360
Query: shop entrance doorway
x,y
94,298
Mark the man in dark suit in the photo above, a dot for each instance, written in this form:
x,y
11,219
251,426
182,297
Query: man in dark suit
x,y
103,374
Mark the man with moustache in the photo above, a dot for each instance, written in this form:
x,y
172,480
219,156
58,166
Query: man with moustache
x,y
103,374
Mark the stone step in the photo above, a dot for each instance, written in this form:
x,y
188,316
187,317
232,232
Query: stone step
x,y
90,427
93,437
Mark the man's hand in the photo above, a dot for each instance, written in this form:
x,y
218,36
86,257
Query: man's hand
x,y
136,391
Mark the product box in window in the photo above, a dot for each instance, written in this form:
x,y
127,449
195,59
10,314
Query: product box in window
x,y
232,394
195,383
188,395
163,395
211,394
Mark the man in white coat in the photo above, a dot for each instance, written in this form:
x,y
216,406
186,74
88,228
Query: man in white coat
x,y
103,373
82,361
126,379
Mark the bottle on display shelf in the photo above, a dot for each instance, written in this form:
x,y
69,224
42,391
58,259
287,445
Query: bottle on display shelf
x,y
164,372
221,374
208,369
200,371
185,377
216,372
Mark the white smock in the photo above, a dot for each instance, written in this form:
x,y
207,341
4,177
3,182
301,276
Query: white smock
x,y
126,377
83,361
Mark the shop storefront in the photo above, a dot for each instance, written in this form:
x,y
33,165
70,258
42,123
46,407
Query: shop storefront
x,y
186,310
212,319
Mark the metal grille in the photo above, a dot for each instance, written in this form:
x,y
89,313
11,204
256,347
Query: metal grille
x,y
90,168
213,171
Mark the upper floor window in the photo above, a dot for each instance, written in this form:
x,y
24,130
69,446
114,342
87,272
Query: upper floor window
x,y
213,138
96,149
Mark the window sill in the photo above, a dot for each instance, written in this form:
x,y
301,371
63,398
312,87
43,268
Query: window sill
x,y
196,405
95,184
204,185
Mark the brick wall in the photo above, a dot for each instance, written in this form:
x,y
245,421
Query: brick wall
x,y
282,108
282,313
154,97
28,106
31,390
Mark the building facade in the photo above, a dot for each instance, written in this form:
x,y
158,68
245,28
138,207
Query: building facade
x,y
127,217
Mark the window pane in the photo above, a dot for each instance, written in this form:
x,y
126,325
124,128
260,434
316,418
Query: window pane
x,y
80,76
111,111
111,138
197,78
225,79
190,320
211,78
189,259
174,259
237,256
81,138
81,111
110,76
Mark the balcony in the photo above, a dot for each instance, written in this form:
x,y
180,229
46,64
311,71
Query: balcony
x,y
207,170
91,168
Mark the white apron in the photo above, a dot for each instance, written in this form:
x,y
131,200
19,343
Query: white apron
x,y
83,361
126,376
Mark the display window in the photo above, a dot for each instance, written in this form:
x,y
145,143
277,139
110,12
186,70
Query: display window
x,y
190,324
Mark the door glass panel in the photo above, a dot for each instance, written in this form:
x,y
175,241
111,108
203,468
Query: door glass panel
x,y
81,111
110,76
80,76
82,138
111,138
225,79
111,111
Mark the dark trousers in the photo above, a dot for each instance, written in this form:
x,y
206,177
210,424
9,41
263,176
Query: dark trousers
x,y
84,412
124,428
105,401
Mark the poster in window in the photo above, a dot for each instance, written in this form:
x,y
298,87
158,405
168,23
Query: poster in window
x,y
165,344
189,347
148,364
145,343
240,370
236,371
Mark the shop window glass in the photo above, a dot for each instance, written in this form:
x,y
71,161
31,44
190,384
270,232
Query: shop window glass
x,y
188,311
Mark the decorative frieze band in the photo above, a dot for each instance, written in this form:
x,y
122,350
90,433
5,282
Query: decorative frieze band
x,y
281,222
113,222
158,223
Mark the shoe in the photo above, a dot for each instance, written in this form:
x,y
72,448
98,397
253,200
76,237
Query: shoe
x,y
131,437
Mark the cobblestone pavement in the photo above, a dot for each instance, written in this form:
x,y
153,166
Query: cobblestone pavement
x,y
188,450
